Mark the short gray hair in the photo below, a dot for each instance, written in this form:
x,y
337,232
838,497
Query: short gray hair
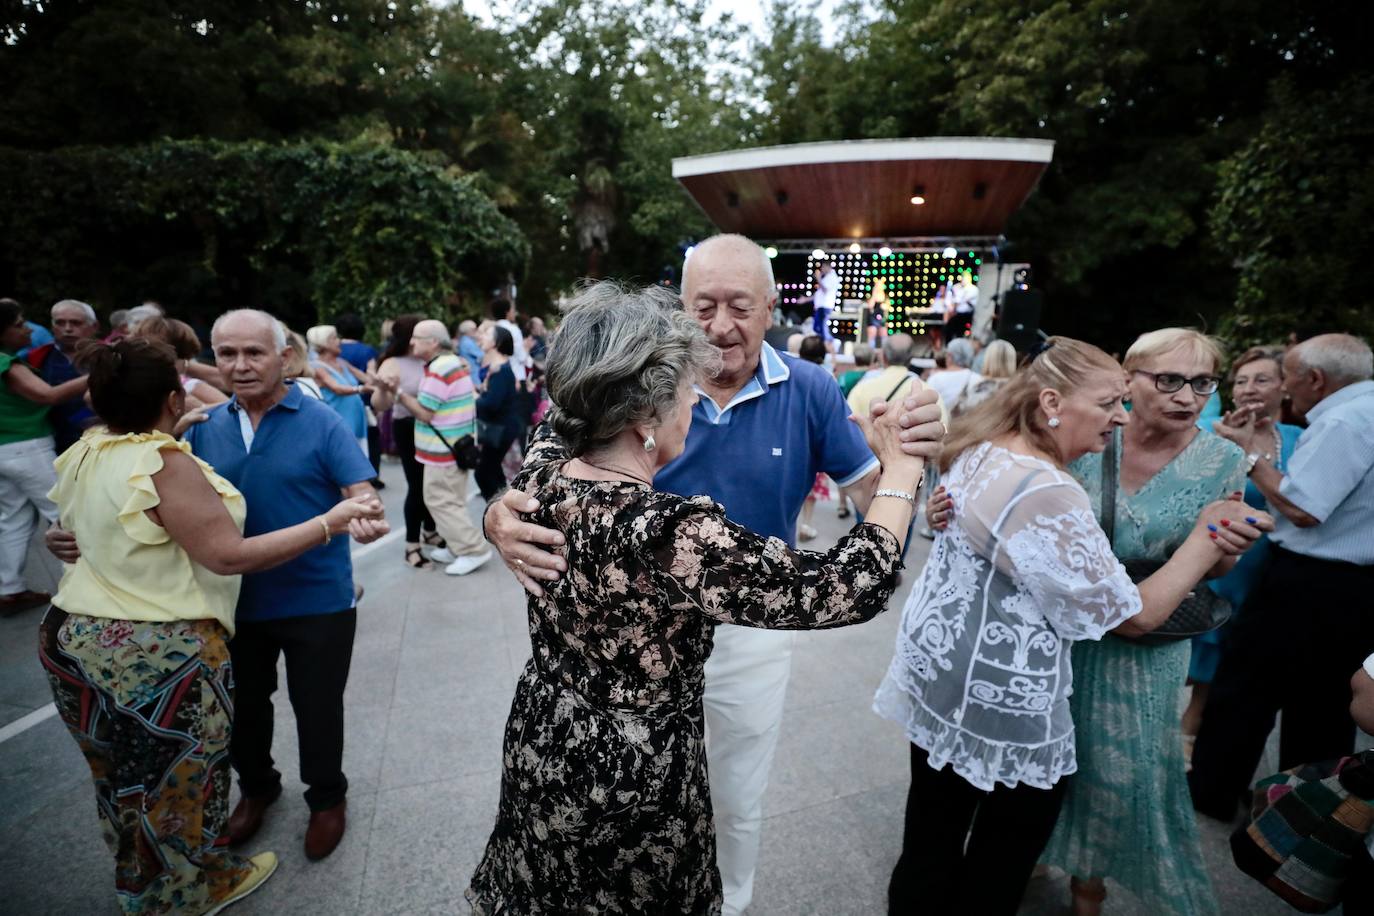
x,y
863,354
960,352
897,349
74,304
1342,358
618,358
278,330
733,240
140,313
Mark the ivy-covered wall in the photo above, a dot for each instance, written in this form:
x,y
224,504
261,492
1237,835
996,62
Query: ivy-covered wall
x,y
305,230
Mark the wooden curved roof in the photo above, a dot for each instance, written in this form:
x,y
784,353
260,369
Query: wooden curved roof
x,y
863,188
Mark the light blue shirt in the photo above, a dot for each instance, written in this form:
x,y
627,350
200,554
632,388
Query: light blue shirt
x,y
1331,478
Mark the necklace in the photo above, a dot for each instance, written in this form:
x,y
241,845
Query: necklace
x,y
612,469
1278,445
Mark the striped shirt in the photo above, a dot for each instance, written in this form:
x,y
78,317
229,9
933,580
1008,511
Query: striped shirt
x,y
447,390
1331,478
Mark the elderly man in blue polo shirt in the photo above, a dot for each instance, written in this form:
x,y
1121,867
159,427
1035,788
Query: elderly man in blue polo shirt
x,y
763,428
1309,622
289,455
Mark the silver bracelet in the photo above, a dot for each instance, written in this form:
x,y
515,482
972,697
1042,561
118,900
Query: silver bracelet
x,y
897,494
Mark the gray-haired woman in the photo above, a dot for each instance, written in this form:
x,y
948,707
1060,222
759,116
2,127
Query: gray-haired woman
x,y
604,800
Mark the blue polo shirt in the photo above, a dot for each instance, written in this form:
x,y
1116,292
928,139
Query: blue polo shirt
x,y
759,457
302,456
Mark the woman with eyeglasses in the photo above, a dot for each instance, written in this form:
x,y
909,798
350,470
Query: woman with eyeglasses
x,y
1256,390
1127,814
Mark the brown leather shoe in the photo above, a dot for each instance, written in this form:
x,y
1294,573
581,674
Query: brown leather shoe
x,y
325,831
248,814
22,601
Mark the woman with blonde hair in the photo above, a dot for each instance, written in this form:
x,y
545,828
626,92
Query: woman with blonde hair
x,y
1128,814
999,365
296,366
982,672
341,384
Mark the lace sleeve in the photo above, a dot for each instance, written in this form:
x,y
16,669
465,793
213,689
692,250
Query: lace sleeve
x,y
1061,559
733,575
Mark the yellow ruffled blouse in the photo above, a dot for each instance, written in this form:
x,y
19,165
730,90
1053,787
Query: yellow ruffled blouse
x,y
130,569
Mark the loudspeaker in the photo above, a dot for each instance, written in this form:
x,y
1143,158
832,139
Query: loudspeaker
x,y
1020,321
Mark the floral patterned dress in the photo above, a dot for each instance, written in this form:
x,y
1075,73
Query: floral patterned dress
x,y
605,806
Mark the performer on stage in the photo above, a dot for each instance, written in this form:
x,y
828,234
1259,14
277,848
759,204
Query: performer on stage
x,y
961,298
878,306
823,302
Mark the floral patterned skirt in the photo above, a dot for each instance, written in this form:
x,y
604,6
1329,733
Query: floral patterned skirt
x,y
603,811
150,706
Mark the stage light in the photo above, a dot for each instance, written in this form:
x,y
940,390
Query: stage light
x,y
771,252
918,200
918,195
818,255
950,253
884,252
855,248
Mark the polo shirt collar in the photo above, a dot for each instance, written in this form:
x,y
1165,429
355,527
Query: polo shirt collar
x,y
1331,402
771,370
292,401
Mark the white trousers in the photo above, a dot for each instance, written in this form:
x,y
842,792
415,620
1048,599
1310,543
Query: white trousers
x,y
26,476
746,684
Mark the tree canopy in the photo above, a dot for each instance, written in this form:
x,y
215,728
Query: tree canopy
x,y
1211,162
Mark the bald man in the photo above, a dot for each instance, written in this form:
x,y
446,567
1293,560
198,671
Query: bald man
x,y
445,410
765,425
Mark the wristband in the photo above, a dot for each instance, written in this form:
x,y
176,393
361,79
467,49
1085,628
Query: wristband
x,y
897,494
325,525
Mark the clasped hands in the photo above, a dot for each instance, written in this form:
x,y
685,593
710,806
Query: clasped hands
x,y
529,551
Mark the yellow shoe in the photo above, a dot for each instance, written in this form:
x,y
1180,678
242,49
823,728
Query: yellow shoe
x,y
264,863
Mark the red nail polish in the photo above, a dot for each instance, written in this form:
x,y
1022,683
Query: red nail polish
x,y
1226,523
1212,536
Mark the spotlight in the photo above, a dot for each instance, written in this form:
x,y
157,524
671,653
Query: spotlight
x,y
818,254
950,253
884,252
917,199
854,248
918,194
771,252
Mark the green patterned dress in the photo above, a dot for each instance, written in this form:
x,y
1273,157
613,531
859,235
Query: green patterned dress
x,y
1127,814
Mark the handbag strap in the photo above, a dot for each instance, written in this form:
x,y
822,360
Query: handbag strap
x,y
1110,473
893,393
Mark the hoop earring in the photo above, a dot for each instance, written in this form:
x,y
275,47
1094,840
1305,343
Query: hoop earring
x,y
650,444
1054,422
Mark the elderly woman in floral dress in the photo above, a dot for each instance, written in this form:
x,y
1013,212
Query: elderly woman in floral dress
x,y
604,805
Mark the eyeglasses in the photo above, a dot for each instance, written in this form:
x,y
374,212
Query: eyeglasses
x,y
1169,382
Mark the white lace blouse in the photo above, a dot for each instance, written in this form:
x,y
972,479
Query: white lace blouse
x,y
981,676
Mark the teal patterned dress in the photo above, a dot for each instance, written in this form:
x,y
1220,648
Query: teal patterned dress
x,y
1127,814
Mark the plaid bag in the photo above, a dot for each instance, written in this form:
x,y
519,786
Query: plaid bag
x,y
1306,828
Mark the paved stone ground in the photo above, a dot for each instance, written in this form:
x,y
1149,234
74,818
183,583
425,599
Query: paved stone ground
x,y
433,672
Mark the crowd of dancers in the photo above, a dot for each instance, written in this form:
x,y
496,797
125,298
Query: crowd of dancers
x,y
653,522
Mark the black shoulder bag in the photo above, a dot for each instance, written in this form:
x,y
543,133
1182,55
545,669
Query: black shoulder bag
x,y
466,452
1202,611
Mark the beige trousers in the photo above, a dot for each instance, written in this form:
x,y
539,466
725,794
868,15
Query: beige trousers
x,y
446,497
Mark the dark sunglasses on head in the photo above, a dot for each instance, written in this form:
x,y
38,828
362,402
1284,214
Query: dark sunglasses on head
x,y
1169,382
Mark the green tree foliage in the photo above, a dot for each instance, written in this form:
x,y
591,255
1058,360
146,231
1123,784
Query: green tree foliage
x,y
567,113
301,229
1294,212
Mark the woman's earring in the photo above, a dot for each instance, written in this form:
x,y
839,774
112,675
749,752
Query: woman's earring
x,y
650,444
1054,422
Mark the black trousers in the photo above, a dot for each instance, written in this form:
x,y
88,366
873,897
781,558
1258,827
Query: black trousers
x,y
490,477
318,651
374,448
965,850
416,514
1306,627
